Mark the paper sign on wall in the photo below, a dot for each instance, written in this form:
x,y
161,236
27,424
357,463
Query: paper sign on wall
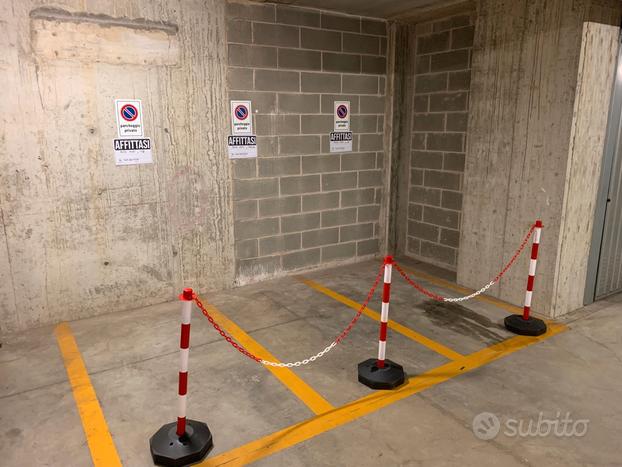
x,y
342,116
340,141
241,118
129,113
130,151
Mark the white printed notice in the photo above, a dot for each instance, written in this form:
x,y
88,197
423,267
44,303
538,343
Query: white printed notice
x,y
341,141
242,147
131,151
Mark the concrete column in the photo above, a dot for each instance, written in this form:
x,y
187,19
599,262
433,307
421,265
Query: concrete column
x,y
541,81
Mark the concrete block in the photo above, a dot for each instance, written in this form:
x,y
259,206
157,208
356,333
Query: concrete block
x,y
297,16
449,102
319,164
299,185
380,125
368,213
429,122
342,63
371,142
440,179
423,195
431,43
358,197
360,43
258,266
367,247
431,83
460,80
279,244
382,85
447,61
239,31
272,207
454,161
267,146
338,252
347,233
316,124
240,78
450,237
251,11
373,65
451,200
445,142
245,209
263,102
300,59
423,231
415,211
358,161
246,229
275,167
339,181
418,141
320,40
359,84
422,64
338,217
421,103
274,124
303,144
383,46
379,160
457,121
462,37
299,103
364,123
276,34
300,222
273,80
370,26
341,23
439,253
427,159
441,217
372,105
247,249
413,245
320,82
416,177
244,168
328,102
370,178
254,189
320,237
320,202
252,56
301,259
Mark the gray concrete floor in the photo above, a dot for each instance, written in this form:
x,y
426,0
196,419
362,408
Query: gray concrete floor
x,y
132,360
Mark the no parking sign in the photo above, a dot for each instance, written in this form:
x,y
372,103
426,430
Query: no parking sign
x,y
241,118
129,118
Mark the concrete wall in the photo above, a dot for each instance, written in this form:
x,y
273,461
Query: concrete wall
x,y
440,106
528,76
80,236
297,205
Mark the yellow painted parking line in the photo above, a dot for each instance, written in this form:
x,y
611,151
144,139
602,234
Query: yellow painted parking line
x,y
103,451
308,429
291,380
405,331
464,290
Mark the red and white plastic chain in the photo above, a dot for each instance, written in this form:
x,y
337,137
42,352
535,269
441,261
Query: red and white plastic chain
x,y
327,349
498,277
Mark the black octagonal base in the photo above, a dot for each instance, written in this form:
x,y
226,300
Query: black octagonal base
x,y
171,450
389,377
525,327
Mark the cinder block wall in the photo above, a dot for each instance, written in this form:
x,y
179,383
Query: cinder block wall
x,y
441,104
297,205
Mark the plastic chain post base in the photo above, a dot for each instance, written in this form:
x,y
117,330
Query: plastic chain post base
x,y
169,449
389,377
525,327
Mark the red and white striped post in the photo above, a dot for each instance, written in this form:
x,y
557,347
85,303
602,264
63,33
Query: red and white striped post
x,y
527,325
381,373
185,441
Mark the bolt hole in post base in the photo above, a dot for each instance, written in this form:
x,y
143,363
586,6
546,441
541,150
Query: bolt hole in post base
x,y
525,327
389,377
169,449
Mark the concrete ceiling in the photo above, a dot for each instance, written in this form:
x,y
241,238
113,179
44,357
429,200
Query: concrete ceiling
x,y
388,9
